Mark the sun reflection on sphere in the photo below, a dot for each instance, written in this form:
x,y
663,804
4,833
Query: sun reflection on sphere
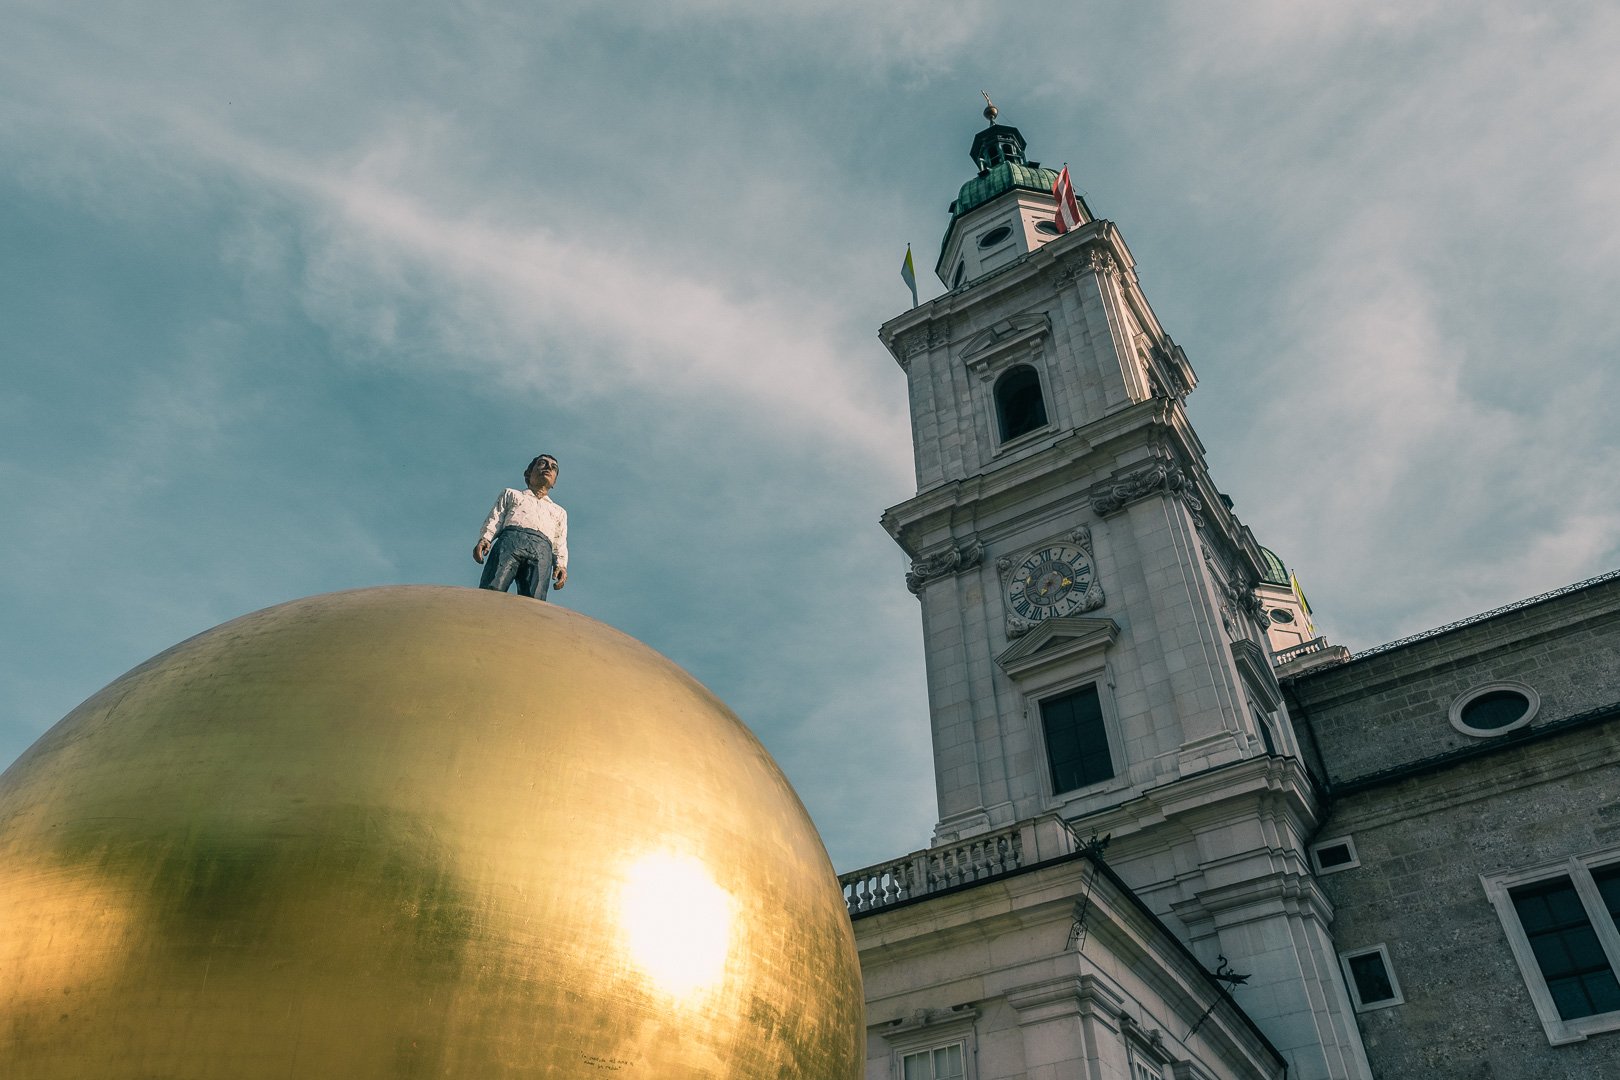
x,y
677,923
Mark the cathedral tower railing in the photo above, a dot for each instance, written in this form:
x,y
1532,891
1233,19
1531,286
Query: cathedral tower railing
x,y
960,862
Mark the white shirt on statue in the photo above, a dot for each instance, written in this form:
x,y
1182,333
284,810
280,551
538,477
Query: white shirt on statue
x,y
526,510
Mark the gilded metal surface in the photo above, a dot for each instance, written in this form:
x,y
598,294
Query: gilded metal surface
x,y
415,832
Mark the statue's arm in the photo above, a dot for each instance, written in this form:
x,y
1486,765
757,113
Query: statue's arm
x,y
487,533
560,574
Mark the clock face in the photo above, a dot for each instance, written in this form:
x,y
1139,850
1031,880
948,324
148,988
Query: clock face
x,y
1052,581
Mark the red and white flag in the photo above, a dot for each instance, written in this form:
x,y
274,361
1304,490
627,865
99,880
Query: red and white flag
x,y
1068,211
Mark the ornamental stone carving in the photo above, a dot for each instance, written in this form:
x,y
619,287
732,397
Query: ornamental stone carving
x,y
1118,492
1017,627
953,560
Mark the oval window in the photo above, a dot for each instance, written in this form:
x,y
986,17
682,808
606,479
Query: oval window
x,y
1048,227
1281,615
1494,709
995,236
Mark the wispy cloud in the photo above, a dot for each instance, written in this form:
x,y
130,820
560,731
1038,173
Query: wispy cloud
x,y
331,267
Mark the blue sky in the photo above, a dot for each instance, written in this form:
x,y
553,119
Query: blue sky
x,y
287,295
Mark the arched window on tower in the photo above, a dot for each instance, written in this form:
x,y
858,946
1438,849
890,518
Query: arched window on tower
x,y
1019,406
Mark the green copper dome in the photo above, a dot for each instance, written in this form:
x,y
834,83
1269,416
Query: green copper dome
x,y
999,180
1276,573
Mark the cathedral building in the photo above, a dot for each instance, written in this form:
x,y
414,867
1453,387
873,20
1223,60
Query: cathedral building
x,y
1179,834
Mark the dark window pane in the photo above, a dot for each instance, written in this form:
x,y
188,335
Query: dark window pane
x,y
1333,855
1566,907
1570,999
994,236
1603,990
1497,709
1552,953
1566,948
1019,406
1534,914
1076,742
1608,883
1372,978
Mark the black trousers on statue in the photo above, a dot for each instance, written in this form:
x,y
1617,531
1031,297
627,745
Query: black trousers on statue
x,y
520,555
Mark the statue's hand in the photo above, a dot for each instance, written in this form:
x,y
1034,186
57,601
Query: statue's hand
x,y
559,576
480,550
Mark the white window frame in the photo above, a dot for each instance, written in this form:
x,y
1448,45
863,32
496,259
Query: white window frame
x,y
901,1056
1398,998
1347,841
934,1030
1454,714
1144,1068
1578,869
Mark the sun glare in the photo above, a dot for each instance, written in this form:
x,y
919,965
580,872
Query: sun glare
x,y
677,922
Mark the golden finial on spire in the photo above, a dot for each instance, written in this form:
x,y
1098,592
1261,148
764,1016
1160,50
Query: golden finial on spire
x,y
990,110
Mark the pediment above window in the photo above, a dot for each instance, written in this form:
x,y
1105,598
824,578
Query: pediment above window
x,y
1255,667
1058,641
994,347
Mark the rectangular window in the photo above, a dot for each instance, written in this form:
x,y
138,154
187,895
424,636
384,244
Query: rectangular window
x,y
938,1063
1336,854
1076,740
1564,940
1371,978
1563,925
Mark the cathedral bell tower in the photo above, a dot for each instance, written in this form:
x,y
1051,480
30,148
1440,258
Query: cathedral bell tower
x,y
1094,645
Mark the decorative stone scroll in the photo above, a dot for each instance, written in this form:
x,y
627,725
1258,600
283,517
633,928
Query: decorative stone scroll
x,y
1119,491
1238,596
1096,259
920,340
953,560
1168,373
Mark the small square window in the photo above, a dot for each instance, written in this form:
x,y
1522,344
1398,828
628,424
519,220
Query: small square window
x,y
1331,856
1372,979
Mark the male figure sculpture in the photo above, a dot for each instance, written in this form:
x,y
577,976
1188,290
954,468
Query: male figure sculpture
x,y
525,537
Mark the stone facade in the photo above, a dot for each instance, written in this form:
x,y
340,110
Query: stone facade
x,y
1432,812
1051,971
1348,835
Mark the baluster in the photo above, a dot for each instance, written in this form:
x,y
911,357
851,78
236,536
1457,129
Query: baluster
x,y
998,865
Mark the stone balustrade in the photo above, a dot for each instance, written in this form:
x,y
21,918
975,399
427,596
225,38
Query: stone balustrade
x,y
972,858
1304,648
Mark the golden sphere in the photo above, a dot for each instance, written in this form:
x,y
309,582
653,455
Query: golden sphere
x,y
415,832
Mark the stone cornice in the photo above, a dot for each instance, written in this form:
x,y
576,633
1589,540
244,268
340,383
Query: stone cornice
x,y
1498,632
1095,247
1244,901
1442,782
1152,422
1224,793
